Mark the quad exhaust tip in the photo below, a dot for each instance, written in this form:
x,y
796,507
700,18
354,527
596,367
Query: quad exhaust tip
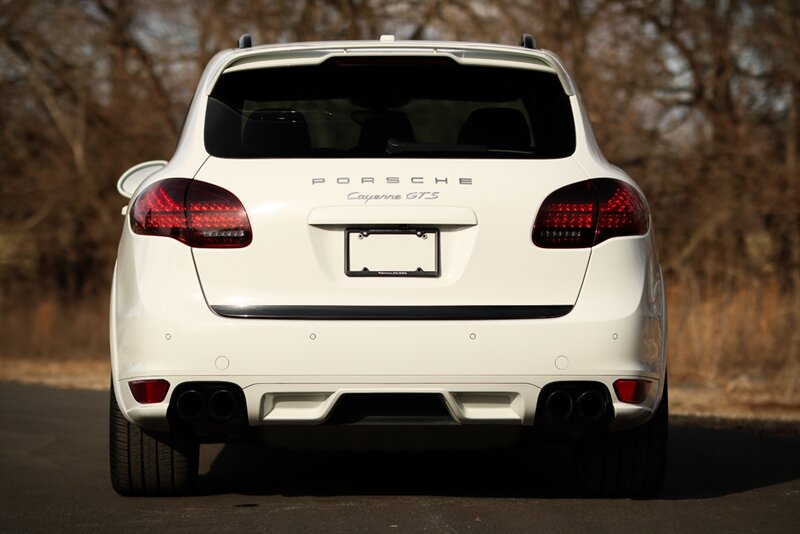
x,y
588,404
559,405
220,405
190,405
591,405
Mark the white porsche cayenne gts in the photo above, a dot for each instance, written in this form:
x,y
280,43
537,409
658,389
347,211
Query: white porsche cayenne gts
x,y
372,234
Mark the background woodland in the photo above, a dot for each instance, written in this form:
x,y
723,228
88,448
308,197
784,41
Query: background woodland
x,y
697,100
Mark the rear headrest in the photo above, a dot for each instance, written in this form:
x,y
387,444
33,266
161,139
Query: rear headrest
x,y
379,127
499,128
276,132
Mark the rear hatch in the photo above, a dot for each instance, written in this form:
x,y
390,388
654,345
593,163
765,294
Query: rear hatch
x,y
390,182
483,212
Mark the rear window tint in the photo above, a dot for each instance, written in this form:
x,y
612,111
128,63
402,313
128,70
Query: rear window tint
x,y
389,107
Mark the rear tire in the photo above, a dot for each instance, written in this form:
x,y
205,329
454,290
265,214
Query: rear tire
x,y
630,463
150,463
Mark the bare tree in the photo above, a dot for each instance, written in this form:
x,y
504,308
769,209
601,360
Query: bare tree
x,y
698,100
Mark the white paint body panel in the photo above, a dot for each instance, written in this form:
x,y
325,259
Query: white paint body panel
x,y
162,325
293,262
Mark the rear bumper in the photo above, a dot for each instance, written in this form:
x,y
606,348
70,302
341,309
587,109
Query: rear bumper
x,y
295,370
482,401
486,371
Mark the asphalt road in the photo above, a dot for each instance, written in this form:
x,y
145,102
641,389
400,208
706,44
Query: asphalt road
x,y
54,477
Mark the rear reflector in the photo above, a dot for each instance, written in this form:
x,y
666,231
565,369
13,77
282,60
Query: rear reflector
x,y
587,213
631,391
149,391
199,214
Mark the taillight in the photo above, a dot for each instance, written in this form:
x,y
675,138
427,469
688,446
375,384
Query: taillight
x,y
567,218
197,213
587,213
215,217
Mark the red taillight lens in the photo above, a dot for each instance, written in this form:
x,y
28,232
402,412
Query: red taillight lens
x,y
567,218
631,391
216,218
159,210
622,211
149,391
587,213
197,213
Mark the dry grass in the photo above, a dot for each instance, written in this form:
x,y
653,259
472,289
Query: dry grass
x,y
743,340
732,352
55,331
81,374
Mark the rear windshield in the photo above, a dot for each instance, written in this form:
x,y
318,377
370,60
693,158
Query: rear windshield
x,y
398,107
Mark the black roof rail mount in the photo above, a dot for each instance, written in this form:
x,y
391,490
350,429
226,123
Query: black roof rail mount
x,y
246,41
528,41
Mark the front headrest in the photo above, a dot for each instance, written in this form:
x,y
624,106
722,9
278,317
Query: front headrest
x,y
276,132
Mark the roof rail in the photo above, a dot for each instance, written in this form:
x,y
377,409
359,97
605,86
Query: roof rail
x,y
528,41
246,41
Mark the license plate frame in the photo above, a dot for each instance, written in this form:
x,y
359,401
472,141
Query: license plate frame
x,y
383,233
